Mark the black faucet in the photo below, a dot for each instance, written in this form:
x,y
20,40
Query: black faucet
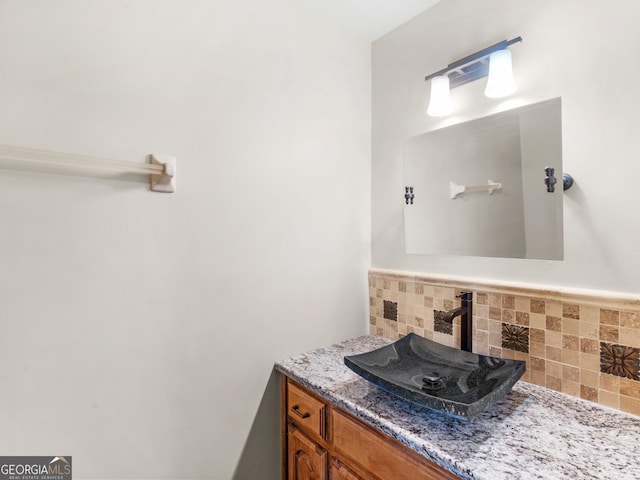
x,y
466,319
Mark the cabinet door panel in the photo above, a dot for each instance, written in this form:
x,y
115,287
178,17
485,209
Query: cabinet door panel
x,y
339,471
307,461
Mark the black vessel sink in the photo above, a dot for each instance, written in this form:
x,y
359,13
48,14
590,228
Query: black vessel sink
x,y
436,376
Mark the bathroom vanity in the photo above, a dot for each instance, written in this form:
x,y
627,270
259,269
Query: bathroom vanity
x,y
323,441
339,426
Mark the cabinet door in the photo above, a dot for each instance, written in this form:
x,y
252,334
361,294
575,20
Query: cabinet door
x,y
339,471
307,461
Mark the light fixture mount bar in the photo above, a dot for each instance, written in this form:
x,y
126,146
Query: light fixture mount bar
x,y
472,67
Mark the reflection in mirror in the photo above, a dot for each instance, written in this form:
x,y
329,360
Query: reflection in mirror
x,y
520,219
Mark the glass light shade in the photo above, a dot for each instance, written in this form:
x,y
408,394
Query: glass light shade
x,y
501,82
440,100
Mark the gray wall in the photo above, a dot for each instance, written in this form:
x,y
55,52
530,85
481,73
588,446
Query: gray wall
x,y
139,329
575,49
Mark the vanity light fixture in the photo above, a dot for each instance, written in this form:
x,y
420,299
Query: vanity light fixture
x,y
440,100
493,61
500,82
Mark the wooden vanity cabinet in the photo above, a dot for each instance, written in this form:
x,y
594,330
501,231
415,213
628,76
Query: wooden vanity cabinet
x,y
323,442
340,471
306,459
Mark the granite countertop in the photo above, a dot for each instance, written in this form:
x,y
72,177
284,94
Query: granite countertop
x,y
532,433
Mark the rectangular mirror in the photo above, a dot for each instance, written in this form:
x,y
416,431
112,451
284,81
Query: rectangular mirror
x,y
519,218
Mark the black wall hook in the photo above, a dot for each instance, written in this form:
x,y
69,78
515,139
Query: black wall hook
x,y
550,181
408,195
567,181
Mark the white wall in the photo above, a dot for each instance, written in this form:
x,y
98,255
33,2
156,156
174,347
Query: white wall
x,y
139,329
579,50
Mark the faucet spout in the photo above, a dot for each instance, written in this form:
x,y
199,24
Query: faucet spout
x,y
451,314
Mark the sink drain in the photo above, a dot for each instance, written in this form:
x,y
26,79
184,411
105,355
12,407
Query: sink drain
x,y
432,381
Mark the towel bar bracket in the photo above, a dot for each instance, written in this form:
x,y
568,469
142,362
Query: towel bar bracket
x,y
164,182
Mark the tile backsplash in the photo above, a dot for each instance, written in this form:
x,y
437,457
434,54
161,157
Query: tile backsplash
x,y
584,344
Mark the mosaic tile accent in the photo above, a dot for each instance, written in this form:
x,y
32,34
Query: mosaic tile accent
x,y
620,360
570,311
391,310
441,324
515,337
537,305
560,335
